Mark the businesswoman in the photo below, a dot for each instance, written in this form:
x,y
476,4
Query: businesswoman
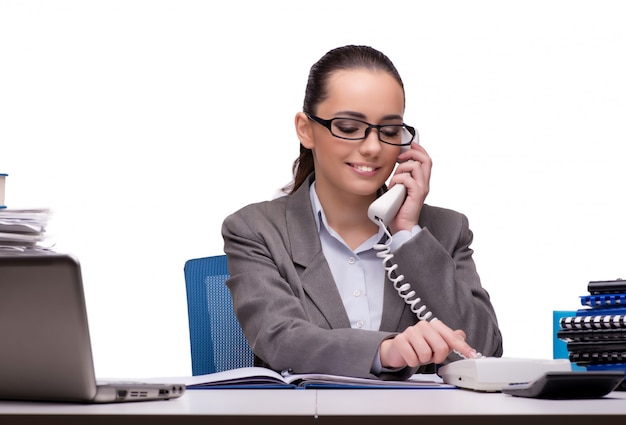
x,y
308,287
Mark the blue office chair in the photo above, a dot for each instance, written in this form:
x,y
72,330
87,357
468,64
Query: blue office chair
x,y
217,341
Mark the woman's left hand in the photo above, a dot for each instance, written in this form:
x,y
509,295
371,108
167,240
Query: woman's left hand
x,y
414,173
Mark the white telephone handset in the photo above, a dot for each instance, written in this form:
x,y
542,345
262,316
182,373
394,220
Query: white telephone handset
x,y
388,204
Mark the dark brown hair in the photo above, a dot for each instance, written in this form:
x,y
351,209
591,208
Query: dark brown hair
x,y
340,58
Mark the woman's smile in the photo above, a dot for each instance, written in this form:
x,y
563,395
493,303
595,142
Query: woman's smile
x,y
364,169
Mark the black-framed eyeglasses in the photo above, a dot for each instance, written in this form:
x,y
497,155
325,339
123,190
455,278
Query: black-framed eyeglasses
x,y
353,129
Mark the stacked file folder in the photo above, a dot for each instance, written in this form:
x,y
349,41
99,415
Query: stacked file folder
x,y
596,334
23,229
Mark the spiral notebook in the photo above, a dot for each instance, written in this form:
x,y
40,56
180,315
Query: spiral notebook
x,y
595,319
589,335
45,348
603,300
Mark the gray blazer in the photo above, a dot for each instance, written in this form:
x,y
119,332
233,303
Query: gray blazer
x,y
290,309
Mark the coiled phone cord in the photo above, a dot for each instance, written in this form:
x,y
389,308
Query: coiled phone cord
x,y
404,289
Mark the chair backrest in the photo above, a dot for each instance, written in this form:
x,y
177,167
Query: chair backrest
x,y
217,341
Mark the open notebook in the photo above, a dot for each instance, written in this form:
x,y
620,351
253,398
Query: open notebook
x,y
45,348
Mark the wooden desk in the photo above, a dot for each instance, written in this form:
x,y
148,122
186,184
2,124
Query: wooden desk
x,y
415,407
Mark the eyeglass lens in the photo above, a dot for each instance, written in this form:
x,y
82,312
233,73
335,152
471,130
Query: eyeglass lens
x,y
396,134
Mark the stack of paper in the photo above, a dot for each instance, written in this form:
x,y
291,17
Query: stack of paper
x,y
23,229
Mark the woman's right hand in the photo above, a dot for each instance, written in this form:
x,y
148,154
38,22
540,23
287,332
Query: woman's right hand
x,y
414,173
425,342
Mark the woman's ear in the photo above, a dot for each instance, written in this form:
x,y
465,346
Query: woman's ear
x,y
304,130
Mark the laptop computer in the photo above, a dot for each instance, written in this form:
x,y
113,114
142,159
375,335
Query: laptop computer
x,y
45,347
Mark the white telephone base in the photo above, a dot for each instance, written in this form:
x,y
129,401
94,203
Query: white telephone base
x,y
491,374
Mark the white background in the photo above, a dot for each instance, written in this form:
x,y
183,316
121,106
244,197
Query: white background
x,y
142,124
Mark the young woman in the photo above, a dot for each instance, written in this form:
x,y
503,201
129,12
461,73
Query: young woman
x,y
308,287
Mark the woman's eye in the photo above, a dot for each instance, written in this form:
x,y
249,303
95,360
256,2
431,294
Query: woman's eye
x,y
347,127
347,130
391,131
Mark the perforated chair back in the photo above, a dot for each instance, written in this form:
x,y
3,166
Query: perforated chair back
x,y
217,341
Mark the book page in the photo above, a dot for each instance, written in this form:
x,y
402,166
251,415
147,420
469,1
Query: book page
x,y
313,380
245,377
259,377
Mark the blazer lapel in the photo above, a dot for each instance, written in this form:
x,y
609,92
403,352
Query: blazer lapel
x,y
393,307
306,252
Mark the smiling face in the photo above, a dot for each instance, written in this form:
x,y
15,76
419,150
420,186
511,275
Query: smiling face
x,y
349,168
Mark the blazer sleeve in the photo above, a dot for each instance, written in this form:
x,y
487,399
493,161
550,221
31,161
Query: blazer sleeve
x,y
439,265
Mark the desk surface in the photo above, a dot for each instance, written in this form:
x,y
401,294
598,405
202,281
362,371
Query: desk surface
x,y
323,406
